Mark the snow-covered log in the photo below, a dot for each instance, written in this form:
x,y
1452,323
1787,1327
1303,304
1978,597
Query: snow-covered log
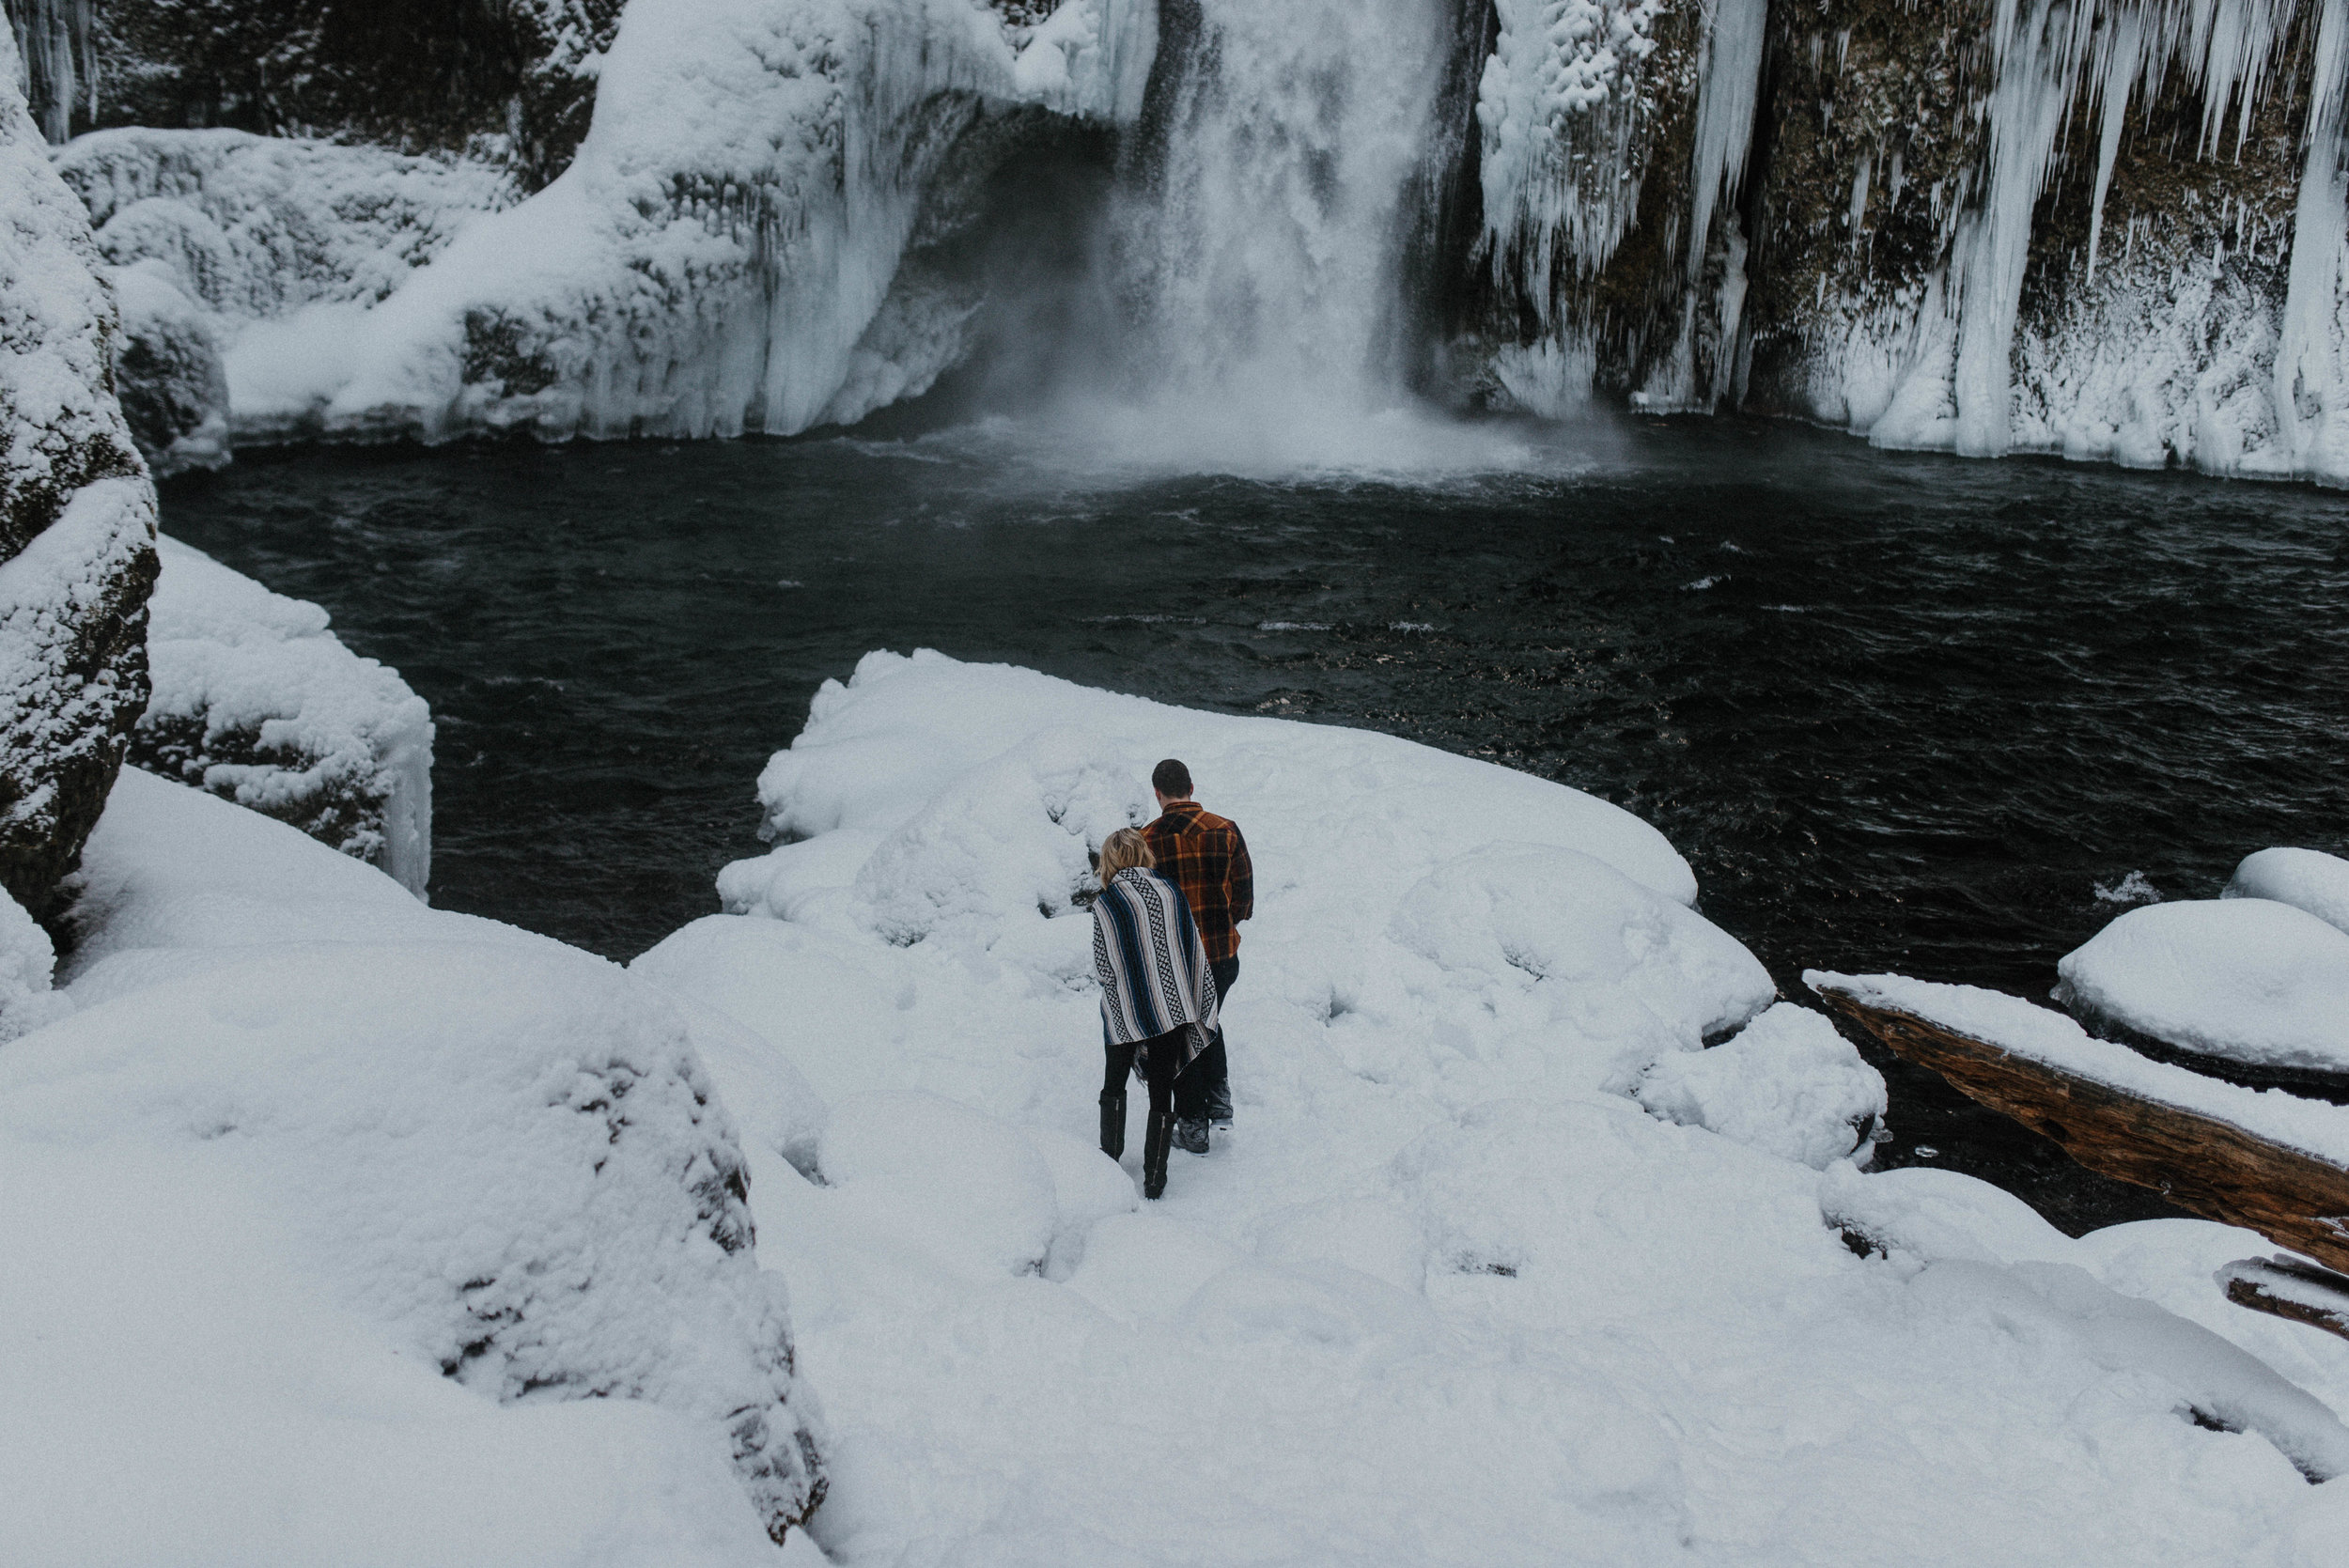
x,y
77,520
2267,1161
256,700
2288,1288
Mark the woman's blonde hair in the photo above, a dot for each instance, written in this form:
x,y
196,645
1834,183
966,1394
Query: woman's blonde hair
x,y
1122,848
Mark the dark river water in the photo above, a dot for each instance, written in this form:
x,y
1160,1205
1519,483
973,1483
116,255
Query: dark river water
x,y
1902,712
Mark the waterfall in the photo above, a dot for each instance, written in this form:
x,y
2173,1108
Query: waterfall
x,y
52,39
1263,236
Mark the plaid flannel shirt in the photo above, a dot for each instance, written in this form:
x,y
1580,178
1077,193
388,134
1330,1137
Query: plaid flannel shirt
x,y
1204,855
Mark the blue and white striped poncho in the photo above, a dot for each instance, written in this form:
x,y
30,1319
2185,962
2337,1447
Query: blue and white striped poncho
x,y
1153,968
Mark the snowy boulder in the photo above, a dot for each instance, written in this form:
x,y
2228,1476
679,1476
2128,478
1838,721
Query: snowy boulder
x,y
1934,1215
1524,915
256,700
77,518
27,962
2307,879
509,1156
1013,839
1788,1084
167,368
2247,979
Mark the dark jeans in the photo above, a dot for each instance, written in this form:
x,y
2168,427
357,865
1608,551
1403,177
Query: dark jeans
x,y
1162,1062
1205,1086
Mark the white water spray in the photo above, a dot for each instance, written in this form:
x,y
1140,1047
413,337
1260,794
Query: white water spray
x,y
1268,251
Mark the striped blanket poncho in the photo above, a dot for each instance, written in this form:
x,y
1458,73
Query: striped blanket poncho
x,y
1154,971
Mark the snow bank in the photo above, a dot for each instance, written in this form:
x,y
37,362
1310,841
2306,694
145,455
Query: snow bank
x,y
1442,1255
1788,1084
424,1147
2307,879
256,700
2248,979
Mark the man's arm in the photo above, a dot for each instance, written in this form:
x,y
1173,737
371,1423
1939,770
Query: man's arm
x,y
1241,879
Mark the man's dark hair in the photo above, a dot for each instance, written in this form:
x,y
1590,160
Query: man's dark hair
x,y
1171,779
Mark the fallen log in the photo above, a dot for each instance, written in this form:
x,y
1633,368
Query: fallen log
x,y
2289,1288
2195,1155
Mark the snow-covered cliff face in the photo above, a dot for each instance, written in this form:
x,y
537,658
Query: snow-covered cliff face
x,y
77,524
2111,230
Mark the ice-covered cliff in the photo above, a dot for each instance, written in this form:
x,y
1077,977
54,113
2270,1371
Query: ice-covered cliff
x,y
77,524
2112,230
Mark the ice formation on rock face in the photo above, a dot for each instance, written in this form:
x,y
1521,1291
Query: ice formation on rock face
x,y
712,259
257,701
483,1154
263,252
77,518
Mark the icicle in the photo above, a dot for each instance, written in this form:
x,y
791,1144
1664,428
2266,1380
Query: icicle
x,y
1728,84
2126,59
52,41
2307,393
1857,215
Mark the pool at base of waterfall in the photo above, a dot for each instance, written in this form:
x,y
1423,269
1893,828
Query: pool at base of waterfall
x,y
1900,712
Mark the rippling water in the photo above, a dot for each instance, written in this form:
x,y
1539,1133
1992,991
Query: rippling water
x,y
1900,712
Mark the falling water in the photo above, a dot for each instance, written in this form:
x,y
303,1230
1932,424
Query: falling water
x,y
1264,235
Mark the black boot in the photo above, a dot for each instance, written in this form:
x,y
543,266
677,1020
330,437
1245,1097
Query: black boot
x,y
1113,1123
1156,1141
1190,1134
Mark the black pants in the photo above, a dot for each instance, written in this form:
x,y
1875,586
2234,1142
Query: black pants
x,y
1165,1058
1207,1084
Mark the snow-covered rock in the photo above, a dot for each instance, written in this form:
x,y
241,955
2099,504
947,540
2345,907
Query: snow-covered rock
x,y
481,1155
2249,979
1527,915
255,700
77,518
1788,1083
2307,879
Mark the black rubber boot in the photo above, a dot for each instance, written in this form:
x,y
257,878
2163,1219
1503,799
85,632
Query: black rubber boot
x,y
1190,1135
1113,1124
1155,1142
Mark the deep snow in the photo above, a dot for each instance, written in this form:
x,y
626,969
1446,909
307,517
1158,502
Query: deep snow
x,y
1448,1294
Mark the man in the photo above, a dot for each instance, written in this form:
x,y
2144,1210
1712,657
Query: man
x,y
1204,855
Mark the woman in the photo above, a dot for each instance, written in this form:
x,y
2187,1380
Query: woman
x,y
1157,995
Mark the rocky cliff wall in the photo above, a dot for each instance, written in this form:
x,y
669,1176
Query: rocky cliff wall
x,y
77,522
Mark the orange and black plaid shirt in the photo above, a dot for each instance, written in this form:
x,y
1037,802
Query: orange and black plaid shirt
x,y
1204,855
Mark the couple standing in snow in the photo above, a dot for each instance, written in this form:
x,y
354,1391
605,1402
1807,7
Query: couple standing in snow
x,y
1166,947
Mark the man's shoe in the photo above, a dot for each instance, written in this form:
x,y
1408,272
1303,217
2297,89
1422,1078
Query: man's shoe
x,y
1190,1135
1219,1104
1113,1124
1155,1138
